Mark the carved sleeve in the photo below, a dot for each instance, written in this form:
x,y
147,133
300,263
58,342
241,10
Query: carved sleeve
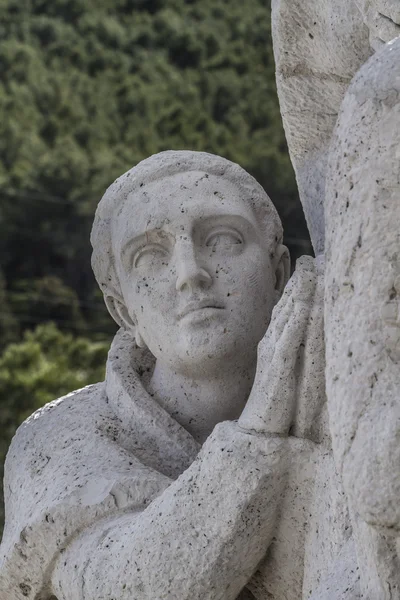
x,y
202,538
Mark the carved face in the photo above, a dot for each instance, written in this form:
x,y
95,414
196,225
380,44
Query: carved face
x,y
382,18
196,271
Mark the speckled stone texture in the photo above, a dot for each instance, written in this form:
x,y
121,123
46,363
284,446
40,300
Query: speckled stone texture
x,y
200,469
209,465
362,314
350,170
104,478
319,45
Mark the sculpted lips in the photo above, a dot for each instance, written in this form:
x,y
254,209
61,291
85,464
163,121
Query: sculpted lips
x,y
196,305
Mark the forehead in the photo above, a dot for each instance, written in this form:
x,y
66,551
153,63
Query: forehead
x,y
178,201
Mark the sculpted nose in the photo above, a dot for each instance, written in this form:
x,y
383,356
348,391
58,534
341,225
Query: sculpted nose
x,y
192,278
189,273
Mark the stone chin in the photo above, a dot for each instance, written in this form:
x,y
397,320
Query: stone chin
x,y
204,345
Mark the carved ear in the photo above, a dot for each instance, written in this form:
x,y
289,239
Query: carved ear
x,y
282,269
119,313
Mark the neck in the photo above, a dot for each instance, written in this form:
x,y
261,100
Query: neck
x,y
198,405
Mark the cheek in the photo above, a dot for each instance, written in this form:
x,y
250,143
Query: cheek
x,y
250,285
261,288
256,281
137,292
150,298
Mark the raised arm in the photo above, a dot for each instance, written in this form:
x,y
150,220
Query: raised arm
x,y
318,45
204,536
201,539
88,521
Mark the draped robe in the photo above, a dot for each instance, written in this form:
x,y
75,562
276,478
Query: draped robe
x,y
86,474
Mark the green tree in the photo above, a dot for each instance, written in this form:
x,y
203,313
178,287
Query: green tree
x,y
8,324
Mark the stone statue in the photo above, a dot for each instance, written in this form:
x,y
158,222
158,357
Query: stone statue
x,y
362,314
349,168
196,470
319,45
206,466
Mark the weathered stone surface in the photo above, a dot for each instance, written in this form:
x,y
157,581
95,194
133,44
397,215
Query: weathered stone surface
x,y
362,313
319,46
382,18
353,173
202,468
157,484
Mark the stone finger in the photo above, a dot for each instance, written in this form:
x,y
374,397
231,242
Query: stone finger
x,y
311,385
275,387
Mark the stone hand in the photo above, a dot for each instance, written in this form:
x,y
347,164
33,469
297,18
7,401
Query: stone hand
x,y
275,404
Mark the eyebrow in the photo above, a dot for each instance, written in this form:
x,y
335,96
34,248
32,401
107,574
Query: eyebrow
x,y
236,219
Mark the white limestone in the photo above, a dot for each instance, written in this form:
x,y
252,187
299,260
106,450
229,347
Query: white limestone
x,y
319,45
382,18
350,169
362,314
203,468
162,482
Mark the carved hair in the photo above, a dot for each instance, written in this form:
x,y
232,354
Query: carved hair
x,y
157,167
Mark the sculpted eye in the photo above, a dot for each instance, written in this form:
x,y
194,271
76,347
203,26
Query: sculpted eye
x,y
224,239
149,254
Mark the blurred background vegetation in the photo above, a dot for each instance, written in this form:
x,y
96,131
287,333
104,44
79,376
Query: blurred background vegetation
x,y
88,88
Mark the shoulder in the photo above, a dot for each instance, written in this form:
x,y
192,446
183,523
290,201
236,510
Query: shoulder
x,y
64,472
45,460
66,456
57,422
67,453
69,406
